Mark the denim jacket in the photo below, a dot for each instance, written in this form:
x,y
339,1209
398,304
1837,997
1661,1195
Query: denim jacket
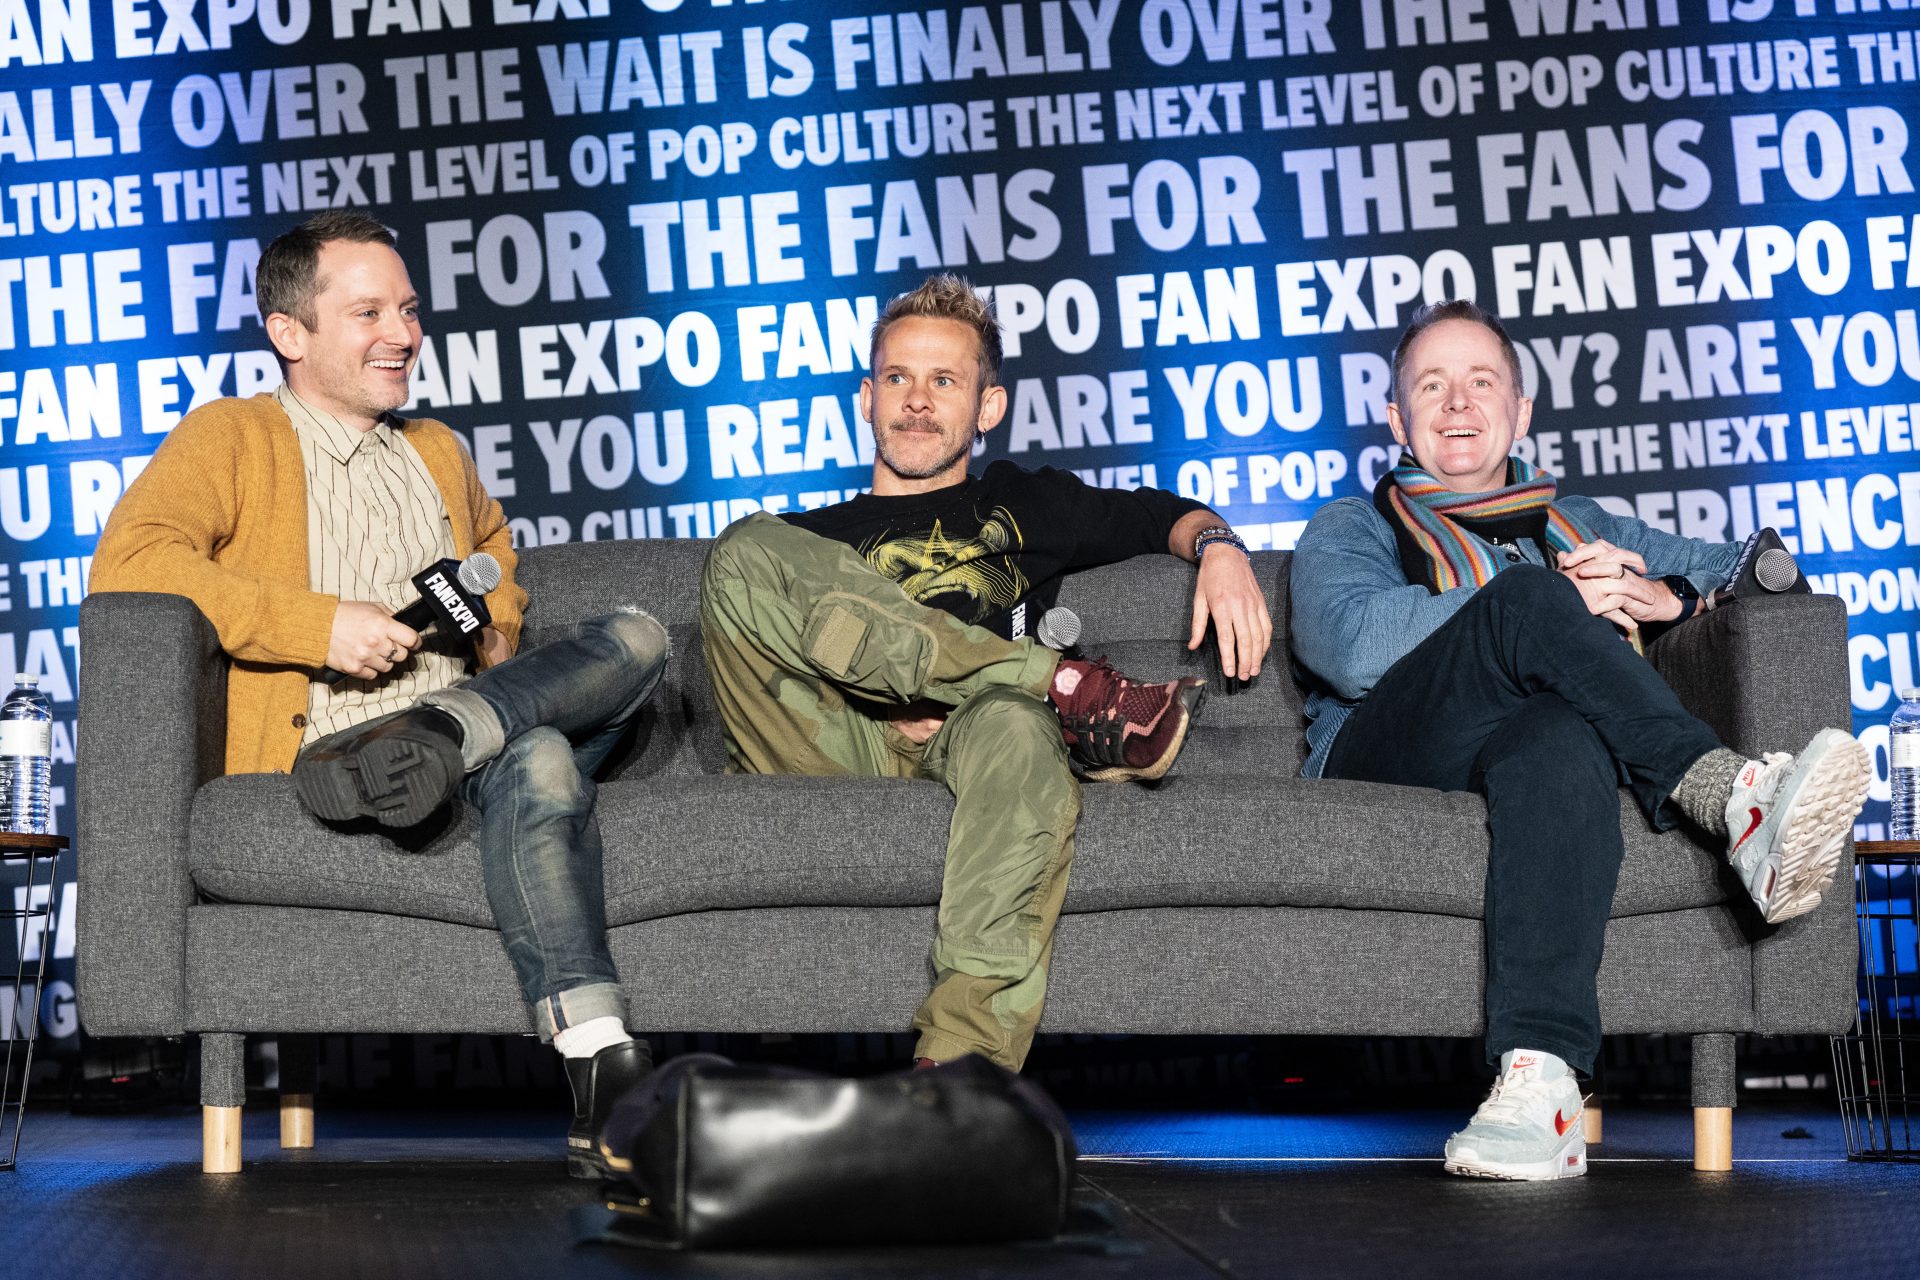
x,y
1354,614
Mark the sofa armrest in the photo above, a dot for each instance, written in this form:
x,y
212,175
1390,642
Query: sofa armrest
x,y
1767,674
1764,673
153,722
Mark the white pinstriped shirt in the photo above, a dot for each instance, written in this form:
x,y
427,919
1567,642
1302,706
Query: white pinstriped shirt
x,y
374,519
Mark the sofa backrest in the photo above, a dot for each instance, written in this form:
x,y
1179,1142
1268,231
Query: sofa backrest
x,y
1136,613
571,581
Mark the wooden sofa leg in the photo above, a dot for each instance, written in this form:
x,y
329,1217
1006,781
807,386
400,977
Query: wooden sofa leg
x,y
220,1139
1590,1120
1713,1139
296,1121
296,1093
1713,1101
223,1091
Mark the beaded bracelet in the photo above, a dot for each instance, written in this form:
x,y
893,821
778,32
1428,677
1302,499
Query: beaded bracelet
x,y
1219,533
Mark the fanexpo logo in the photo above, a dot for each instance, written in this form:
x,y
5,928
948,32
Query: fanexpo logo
x,y
452,601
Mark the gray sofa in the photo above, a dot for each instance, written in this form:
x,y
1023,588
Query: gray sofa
x,y
1234,898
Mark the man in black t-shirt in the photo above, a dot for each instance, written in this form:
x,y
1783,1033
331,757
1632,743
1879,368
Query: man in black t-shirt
x,y
888,637
991,549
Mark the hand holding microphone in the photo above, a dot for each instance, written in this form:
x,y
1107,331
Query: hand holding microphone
x,y
368,642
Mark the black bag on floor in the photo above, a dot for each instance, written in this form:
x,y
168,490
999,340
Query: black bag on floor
x,y
726,1156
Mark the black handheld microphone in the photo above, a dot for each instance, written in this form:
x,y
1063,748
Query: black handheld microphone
x,y
1765,567
452,600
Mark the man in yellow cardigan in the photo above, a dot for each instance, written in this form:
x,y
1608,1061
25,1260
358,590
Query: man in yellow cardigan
x,y
296,520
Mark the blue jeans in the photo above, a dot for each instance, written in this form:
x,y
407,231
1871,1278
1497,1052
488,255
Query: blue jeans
x,y
1526,698
541,723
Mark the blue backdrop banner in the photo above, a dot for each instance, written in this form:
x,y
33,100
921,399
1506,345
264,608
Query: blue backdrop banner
x,y
650,237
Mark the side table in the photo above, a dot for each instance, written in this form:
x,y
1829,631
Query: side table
x,y
1879,1087
33,932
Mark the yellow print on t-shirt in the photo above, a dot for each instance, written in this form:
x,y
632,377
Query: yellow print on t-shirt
x,y
931,566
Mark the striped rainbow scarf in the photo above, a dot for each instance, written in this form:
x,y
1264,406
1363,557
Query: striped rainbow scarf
x,y
1438,548
1432,516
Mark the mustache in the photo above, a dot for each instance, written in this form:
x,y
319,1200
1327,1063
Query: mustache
x,y
915,424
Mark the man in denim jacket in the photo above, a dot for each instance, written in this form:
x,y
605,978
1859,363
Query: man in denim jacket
x,y
1469,630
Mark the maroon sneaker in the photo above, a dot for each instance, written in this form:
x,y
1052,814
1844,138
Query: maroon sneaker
x,y
1118,727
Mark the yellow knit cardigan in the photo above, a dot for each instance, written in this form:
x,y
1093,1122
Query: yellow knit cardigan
x,y
220,516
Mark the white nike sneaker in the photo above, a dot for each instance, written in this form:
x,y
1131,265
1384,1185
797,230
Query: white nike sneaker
x,y
1529,1128
1788,820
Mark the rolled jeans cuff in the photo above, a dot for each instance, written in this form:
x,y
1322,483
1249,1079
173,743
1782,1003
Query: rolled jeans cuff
x,y
481,736
576,1005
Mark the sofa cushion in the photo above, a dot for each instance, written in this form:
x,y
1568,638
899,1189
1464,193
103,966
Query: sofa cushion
x,y
698,843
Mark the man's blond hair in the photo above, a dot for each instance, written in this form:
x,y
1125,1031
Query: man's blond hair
x,y
947,297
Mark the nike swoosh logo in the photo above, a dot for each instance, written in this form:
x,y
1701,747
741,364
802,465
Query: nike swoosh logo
x,y
1753,825
1563,1122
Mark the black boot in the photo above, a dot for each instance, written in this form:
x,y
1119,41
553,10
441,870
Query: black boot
x,y
599,1082
394,769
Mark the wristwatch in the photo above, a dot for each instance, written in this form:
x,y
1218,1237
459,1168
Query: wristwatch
x,y
1683,587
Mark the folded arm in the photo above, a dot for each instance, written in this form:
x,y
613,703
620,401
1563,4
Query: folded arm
x,y
1620,574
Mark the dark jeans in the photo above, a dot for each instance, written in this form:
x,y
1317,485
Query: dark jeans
x,y
561,708
1526,698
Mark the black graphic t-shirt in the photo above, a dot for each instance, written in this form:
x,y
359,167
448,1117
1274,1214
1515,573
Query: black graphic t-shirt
x,y
992,549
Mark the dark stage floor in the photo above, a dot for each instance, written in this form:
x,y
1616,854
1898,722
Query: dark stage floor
x,y
1162,1194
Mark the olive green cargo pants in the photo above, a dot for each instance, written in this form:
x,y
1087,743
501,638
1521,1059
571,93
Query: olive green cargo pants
x,y
810,651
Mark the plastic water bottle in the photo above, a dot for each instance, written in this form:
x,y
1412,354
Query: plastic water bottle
x,y
1903,759
26,759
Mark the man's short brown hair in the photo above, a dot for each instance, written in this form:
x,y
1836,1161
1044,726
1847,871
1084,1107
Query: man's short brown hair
x,y
947,297
1457,309
287,280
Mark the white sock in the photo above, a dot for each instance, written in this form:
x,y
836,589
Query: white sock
x,y
590,1037
1547,1066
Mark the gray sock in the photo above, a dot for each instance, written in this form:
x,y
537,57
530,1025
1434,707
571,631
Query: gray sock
x,y
1703,791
